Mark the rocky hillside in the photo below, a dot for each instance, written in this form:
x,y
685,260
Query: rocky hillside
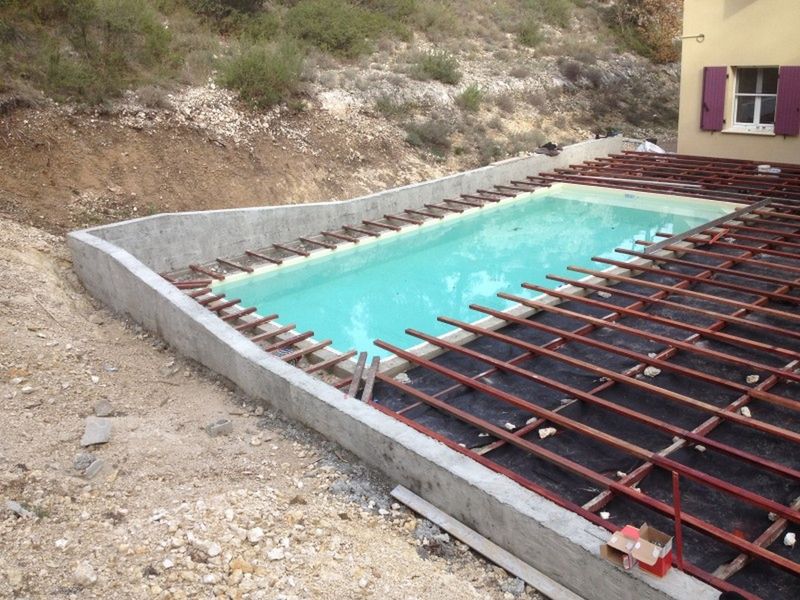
x,y
113,108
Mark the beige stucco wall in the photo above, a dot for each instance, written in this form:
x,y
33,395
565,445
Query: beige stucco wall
x,y
737,33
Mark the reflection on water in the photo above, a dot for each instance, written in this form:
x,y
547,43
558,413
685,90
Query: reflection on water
x,y
376,291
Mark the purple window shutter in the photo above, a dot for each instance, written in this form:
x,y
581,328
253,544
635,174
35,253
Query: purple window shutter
x,y
715,80
787,111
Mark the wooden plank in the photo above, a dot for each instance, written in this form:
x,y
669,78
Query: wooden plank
x,y
356,381
502,558
369,381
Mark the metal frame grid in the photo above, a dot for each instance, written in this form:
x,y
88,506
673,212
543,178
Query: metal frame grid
x,y
715,306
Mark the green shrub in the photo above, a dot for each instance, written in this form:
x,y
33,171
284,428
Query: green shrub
x,y
389,107
261,27
432,134
438,65
220,9
264,74
470,99
530,33
394,9
555,12
337,26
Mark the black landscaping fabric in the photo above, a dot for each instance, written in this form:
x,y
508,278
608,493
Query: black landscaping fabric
x,y
720,509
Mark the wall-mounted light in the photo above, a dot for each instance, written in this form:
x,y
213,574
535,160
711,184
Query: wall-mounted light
x,y
699,37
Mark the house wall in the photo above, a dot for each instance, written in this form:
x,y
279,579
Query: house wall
x,y
737,33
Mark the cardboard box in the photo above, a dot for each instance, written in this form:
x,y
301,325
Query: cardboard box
x,y
655,555
646,546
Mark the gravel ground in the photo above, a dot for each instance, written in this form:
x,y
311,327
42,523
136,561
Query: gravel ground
x,y
163,509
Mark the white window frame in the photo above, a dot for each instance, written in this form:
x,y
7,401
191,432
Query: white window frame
x,y
755,126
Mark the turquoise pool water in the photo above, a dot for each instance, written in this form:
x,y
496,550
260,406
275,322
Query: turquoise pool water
x,y
376,290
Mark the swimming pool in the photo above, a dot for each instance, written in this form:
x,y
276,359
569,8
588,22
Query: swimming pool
x,y
379,287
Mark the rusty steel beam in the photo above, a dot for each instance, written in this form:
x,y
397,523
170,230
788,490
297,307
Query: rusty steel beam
x,y
318,243
331,362
291,341
341,236
694,278
570,465
271,334
297,354
595,400
205,271
254,254
679,344
256,323
381,225
291,250
234,265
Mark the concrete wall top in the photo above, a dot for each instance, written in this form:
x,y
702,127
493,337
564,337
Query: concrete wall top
x,y
171,241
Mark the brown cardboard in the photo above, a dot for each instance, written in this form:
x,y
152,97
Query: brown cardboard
x,y
651,545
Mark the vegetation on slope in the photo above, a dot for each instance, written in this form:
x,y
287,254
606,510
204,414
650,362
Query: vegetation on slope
x,y
92,50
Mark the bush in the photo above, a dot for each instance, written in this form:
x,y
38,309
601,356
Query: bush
x,y
470,99
433,134
571,69
650,27
394,9
264,75
554,12
337,26
505,102
438,65
220,9
529,33
389,107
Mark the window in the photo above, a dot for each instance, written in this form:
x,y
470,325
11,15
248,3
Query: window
x,y
756,96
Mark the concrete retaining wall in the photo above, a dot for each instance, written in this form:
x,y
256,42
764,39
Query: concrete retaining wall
x,y
172,241
116,264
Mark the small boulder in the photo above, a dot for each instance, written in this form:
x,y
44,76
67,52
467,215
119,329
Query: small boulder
x,y
103,409
220,427
97,431
84,575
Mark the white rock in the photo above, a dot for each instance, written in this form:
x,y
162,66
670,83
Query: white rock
x,y
27,390
546,432
255,535
745,412
209,579
255,441
752,379
605,515
168,563
95,379
62,543
651,371
213,549
84,575
229,514
276,554
789,539
604,294
510,426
